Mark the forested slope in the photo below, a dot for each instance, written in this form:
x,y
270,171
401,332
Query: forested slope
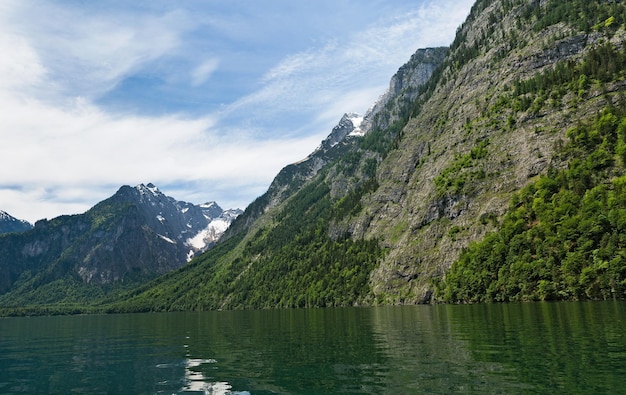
x,y
520,77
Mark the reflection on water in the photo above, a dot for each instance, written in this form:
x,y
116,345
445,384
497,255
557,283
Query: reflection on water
x,y
512,349
427,356
549,347
194,380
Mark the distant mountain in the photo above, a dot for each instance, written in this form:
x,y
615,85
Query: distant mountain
x,y
133,236
9,224
191,228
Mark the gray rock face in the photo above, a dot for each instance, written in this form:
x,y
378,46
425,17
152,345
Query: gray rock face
x,y
403,88
563,49
433,225
166,216
347,124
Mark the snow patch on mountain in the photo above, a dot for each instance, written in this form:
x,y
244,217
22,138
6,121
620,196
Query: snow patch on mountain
x,y
208,236
356,120
167,239
149,189
196,227
198,241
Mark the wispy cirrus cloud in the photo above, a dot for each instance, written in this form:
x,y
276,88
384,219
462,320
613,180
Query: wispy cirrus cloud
x,y
86,53
359,66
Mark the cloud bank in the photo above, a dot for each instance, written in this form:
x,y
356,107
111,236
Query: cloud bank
x,y
67,142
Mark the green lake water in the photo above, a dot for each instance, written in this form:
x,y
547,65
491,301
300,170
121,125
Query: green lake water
x,y
534,348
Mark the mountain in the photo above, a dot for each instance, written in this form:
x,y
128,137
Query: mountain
x,y
190,228
491,170
384,117
288,248
9,224
127,239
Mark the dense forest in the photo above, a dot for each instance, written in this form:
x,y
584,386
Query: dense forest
x,y
564,236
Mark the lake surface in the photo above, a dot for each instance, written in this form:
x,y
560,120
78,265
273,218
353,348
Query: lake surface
x,y
568,348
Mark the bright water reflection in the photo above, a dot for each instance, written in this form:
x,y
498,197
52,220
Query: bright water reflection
x,y
509,349
194,381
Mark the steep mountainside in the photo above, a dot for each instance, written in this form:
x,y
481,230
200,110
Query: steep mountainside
x,y
289,247
133,236
10,224
500,114
385,116
492,170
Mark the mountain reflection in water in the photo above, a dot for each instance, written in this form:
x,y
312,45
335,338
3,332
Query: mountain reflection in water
x,y
533,348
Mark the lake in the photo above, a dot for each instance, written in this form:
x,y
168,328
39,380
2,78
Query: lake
x,y
567,348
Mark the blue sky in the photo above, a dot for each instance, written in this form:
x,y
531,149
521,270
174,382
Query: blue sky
x,y
206,99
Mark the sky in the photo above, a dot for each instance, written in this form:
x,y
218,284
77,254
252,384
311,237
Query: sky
x,y
207,99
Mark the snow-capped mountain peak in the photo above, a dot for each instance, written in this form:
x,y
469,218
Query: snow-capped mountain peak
x,y
349,125
149,189
211,210
195,228
9,223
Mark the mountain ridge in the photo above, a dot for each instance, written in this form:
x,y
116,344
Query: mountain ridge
x,y
399,95
131,237
299,199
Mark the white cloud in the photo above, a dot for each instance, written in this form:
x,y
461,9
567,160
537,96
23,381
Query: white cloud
x,y
82,53
84,149
202,73
23,69
62,156
296,64
31,203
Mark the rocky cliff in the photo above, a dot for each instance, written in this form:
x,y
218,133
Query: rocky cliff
x,y
472,142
